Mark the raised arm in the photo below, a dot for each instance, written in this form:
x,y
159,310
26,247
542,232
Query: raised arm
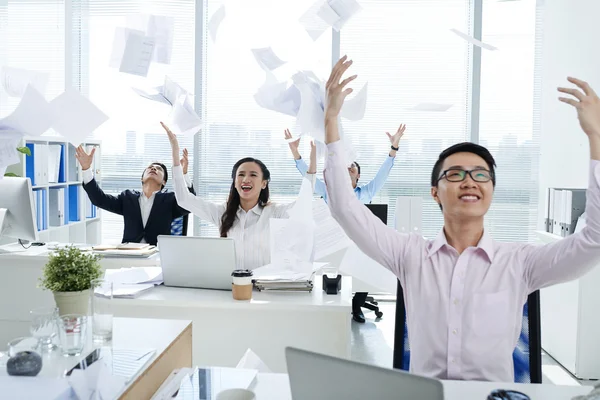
x,y
572,257
179,211
380,242
373,187
206,210
318,184
96,195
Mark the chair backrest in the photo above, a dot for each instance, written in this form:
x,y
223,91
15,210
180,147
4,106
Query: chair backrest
x,y
527,356
179,226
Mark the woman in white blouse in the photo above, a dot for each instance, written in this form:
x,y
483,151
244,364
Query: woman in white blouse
x,y
246,214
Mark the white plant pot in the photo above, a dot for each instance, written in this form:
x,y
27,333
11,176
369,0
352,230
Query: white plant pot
x,y
72,302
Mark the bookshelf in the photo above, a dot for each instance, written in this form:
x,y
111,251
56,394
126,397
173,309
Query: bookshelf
x,y
63,211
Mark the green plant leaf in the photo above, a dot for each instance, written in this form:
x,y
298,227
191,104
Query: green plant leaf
x,y
25,150
70,270
11,174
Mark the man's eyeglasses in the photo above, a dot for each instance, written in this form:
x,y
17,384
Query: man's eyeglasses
x,y
458,175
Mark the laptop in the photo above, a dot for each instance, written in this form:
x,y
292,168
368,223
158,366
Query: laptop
x,y
316,376
197,262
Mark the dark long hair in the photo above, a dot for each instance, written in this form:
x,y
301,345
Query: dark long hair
x,y
233,201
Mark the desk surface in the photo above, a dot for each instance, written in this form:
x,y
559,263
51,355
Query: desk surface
x,y
203,298
129,333
277,387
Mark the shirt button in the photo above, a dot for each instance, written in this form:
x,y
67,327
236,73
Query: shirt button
x,y
453,361
456,301
454,331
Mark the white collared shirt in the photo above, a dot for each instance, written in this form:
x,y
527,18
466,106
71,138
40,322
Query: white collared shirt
x,y
146,203
250,230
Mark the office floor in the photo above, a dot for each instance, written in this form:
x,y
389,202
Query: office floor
x,y
373,343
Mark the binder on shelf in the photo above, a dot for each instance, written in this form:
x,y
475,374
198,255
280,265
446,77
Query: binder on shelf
x,y
54,151
565,206
74,203
73,167
62,171
56,207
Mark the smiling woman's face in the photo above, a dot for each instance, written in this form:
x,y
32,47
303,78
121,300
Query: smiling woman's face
x,y
249,181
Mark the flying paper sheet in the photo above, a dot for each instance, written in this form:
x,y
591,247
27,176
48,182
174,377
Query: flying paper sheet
x,y
329,235
8,148
354,108
32,104
431,107
15,81
357,264
279,97
168,93
158,27
215,22
138,54
75,116
312,22
474,41
327,14
267,58
344,9
183,117
311,114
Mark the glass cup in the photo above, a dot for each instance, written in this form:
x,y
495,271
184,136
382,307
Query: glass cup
x,y
72,329
26,343
44,327
102,310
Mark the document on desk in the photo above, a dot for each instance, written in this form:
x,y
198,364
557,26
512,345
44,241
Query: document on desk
x,y
357,264
15,81
135,275
214,380
250,360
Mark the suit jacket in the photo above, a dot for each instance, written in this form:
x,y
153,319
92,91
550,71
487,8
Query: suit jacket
x,y
127,203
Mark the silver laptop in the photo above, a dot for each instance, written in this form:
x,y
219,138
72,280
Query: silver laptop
x,y
197,262
316,376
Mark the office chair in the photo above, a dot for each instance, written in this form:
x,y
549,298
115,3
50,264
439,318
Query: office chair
x,y
362,299
527,356
179,226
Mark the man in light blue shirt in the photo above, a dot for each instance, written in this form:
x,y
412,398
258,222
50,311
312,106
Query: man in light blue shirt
x,y
364,193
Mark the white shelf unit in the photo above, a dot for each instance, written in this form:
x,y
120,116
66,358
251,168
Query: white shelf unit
x,y
569,321
73,221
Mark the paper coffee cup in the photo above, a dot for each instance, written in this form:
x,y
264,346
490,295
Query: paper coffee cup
x,y
241,287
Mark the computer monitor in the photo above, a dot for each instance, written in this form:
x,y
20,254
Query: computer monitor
x,y
380,211
16,197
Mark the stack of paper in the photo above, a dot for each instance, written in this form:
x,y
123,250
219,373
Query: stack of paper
x,y
126,250
131,282
280,278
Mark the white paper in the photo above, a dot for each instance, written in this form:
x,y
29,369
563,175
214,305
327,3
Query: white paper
x,y
160,28
311,114
302,209
215,22
75,116
168,93
328,14
134,275
195,385
9,142
473,41
15,81
96,382
2,216
138,54
183,118
32,104
355,107
292,244
345,9
38,387
357,264
431,107
250,360
310,20
278,96
329,235
267,58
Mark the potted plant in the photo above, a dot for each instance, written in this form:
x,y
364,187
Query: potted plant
x,y
23,150
69,274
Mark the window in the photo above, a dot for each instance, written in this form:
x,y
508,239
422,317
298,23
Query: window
x,y
33,33
405,51
235,126
132,138
509,103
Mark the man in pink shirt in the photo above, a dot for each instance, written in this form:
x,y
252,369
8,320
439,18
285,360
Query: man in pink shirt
x,y
464,292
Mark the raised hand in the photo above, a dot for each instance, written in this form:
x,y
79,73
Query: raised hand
x,y
174,144
395,138
335,89
294,144
312,168
587,105
85,159
184,161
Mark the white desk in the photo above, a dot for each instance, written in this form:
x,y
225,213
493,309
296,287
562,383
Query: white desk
x,y
20,272
171,339
277,387
224,328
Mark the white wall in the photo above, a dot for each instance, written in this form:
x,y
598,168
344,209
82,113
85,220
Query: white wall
x,y
570,48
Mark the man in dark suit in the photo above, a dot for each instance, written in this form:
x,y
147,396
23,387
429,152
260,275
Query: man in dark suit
x,y
146,214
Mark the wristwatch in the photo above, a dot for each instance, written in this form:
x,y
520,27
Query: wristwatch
x,y
394,148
